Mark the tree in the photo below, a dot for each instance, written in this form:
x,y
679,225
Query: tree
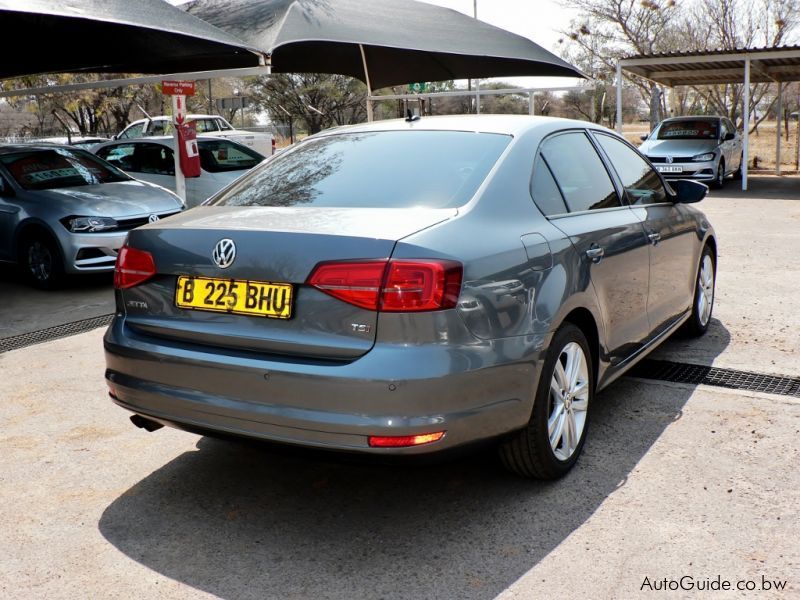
x,y
315,100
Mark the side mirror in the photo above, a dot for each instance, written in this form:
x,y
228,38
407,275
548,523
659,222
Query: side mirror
x,y
688,191
644,137
113,137
729,136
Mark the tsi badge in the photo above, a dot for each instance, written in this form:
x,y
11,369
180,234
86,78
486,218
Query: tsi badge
x,y
224,253
360,328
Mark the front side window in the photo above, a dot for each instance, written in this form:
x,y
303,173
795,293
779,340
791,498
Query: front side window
x,y
58,168
579,172
153,159
134,131
120,155
642,184
689,129
381,169
223,125
162,127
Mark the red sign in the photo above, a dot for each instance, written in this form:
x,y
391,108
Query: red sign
x,y
177,88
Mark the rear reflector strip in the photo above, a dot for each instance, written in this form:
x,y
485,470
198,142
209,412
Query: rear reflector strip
x,y
404,441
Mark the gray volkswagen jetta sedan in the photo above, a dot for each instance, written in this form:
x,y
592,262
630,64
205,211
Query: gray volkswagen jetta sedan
x,y
406,287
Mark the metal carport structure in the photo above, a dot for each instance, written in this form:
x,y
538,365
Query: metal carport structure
x,y
779,65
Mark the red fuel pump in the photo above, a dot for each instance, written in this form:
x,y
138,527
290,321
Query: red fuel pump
x,y
187,149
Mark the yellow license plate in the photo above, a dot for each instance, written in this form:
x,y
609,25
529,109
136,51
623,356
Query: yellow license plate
x,y
235,296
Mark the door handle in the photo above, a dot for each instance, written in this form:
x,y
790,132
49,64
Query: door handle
x,y
595,253
654,237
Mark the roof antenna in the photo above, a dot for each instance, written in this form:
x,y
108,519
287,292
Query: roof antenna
x,y
411,117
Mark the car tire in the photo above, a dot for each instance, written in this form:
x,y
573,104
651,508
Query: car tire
x,y
704,292
719,180
41,261
530,452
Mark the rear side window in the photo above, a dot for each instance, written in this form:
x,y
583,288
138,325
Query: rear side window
x,y
642,184
545,191
382,169
579,172
220,155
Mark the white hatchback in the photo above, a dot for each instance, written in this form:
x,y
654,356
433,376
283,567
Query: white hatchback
x,y
152,159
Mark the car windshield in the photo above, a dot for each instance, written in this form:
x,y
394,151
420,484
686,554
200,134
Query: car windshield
x,y
217,156
386,169
59,168
699,129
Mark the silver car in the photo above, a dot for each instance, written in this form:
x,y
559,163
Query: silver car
x,y
702,148
407,287
64,211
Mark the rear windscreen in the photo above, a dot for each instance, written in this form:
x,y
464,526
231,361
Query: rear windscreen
x,y
688,130
384,169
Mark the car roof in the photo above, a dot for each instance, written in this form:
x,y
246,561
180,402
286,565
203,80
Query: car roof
x,y
164,140
503,124
11,148
189,116
697,118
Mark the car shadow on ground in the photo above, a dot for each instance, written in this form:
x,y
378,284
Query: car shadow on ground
x,y
761,187
240,520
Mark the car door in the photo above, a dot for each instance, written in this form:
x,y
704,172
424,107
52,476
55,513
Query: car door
x,y
669,228
608,237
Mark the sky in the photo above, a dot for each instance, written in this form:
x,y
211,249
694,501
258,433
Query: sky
x,y
538,20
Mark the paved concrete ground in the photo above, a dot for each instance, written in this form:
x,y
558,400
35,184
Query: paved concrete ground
x,y
24,309
674,481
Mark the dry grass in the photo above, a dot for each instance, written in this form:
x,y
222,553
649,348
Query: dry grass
x,y
762,145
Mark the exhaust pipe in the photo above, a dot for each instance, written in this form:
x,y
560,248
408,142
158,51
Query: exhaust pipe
x,y
146,424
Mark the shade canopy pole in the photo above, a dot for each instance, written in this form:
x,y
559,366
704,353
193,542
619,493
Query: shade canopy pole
x,y
369,86
746,119
619,98
778,130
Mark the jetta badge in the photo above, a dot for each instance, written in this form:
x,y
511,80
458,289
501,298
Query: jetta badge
x,y
224,253
152,218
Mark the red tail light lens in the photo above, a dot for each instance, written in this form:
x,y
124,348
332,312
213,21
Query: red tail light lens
x,y
404,441
419,285
357,283
133,267
391,285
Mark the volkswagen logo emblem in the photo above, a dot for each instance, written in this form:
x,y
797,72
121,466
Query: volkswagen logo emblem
x,y
669,159
152,218
224,253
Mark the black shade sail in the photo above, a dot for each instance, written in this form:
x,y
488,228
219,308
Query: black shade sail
x,y
404,41
112,36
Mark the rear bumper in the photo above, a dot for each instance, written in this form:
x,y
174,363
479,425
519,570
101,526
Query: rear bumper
x,y
471,392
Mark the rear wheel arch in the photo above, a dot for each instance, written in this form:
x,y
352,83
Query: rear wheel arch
x,y
584,320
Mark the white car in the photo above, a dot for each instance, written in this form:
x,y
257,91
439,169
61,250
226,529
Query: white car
x,y
205,125
152,159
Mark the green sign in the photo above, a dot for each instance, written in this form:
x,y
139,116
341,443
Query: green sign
x,y
417,88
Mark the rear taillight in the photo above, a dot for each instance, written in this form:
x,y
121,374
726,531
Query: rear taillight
x,y
391,285
133,267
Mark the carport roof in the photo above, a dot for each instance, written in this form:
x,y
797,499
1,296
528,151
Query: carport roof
x,y
708,67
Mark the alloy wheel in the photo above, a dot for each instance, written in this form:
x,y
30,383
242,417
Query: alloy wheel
x,y
40,261
705,290
569,401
